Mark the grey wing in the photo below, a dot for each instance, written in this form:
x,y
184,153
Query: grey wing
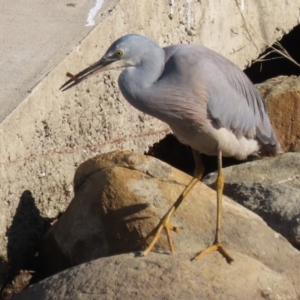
x,y
235,103
219,87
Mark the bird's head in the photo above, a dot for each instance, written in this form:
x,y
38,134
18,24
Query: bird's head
x,y
127,51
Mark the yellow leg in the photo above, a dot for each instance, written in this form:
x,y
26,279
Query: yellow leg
x,y
217,245
165,222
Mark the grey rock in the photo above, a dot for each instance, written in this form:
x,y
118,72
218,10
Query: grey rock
x,y
279,206
269,187
282,170
161,276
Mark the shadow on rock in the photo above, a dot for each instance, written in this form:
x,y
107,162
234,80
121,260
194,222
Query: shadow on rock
x,y
24,236
84,236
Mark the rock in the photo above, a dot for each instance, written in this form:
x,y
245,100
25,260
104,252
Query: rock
x,y
283,170
119,198
19,283
269,187
4,269
282,98
279,206
161,276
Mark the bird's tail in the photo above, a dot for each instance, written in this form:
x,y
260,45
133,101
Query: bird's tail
x,y
270,146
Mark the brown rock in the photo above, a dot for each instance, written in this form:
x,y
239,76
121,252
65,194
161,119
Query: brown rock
x,y
282,97
20,282
119,198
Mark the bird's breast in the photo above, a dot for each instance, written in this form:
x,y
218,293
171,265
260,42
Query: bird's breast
x,y
210,140
197,138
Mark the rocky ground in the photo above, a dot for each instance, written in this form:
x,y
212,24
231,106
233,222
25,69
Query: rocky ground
x,y
119,198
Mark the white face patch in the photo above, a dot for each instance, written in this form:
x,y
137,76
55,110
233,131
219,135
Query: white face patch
x,y
130,62
121,64
118,64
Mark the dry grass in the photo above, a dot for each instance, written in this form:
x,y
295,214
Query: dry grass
x,y
276,47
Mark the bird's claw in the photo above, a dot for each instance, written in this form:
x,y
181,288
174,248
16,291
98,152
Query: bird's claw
x,y
164,224
215,247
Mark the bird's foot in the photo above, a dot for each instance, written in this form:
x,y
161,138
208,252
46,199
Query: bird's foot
x,y
164,223
215,247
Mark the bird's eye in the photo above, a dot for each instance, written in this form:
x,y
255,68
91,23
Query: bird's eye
x,y
119,53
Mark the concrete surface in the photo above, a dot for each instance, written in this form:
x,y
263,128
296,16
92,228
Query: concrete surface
x,y
35,37
51,133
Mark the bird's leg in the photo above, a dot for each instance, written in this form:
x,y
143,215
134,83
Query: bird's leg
x,y
165,222
217,245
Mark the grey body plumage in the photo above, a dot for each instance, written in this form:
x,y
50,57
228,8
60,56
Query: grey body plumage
x,y
193,88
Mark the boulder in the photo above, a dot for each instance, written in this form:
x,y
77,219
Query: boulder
x,y
269,187
282,98
161,276
119,198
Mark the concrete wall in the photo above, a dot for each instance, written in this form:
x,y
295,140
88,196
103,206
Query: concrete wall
x,y
51,133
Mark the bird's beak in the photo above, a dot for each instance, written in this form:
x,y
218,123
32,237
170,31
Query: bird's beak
x,y
97,67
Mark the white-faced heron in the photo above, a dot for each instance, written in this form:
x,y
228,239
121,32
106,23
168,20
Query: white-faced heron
x,y
207,101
